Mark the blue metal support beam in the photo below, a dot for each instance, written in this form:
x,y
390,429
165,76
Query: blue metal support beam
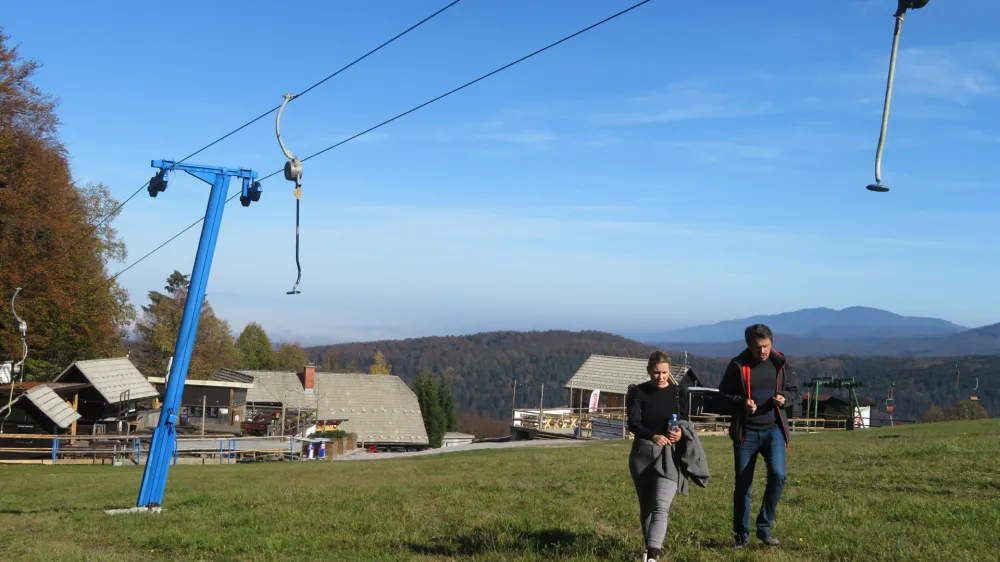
x,y
164,446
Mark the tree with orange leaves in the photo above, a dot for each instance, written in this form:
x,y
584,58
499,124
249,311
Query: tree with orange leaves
x,y
51,242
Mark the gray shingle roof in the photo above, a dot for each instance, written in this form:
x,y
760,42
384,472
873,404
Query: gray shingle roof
x,y
230,375
615,374
378,408
50,404
282,387
111,377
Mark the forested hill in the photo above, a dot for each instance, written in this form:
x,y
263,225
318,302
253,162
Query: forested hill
x,y
481,368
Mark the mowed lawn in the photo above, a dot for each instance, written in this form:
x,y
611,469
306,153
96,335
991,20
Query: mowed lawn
x,y
909,493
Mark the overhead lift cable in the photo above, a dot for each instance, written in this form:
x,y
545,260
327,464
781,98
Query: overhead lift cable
x,y
115,211
403,114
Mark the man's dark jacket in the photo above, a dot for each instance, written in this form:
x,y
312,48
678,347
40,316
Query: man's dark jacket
x,y
734,388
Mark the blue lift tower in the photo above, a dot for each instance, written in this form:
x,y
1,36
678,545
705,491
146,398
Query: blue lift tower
x,y
154,479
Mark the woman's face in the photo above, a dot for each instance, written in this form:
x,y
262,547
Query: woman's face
x,y
660,375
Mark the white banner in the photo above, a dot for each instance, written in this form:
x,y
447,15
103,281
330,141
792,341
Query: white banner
x,y
595,397
862,417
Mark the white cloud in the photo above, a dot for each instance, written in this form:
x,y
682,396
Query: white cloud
x,y
534,139
958,73
681,101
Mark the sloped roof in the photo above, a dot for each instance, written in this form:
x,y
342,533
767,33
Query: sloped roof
x,y
50,404
230,375
282,387
112,377
615,374
378,408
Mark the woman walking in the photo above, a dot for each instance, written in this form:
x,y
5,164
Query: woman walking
x,y
650,407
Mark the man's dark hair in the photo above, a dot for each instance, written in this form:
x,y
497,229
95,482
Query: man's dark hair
x,y
757,332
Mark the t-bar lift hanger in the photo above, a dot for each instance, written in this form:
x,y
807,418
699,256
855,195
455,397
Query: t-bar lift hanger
x,y
293,172
899,15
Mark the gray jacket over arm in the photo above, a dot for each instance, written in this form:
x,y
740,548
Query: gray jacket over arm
x,y
692,463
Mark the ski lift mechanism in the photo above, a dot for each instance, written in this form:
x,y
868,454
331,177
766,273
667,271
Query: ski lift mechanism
x,y
293,172
22,327
900,16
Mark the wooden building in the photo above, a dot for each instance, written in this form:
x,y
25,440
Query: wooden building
x,y
610,378
219,403
115,392
379,409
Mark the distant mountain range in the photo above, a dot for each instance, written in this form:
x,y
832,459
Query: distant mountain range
x,y
851,324
824,332
482,368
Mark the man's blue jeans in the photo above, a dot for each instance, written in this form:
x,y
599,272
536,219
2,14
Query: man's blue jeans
x,y
771,445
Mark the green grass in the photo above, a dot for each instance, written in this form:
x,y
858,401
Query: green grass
x,y
913,493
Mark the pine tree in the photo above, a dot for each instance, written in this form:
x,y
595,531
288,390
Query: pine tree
x,y
435,421
214,347
447,401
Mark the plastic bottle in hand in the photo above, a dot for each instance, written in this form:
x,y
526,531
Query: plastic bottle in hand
x,y
673,423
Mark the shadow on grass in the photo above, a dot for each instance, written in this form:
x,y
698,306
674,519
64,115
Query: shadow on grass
x,y
505,540
58,509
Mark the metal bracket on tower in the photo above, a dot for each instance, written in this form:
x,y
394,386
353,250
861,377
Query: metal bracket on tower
x,y
154,479
293,172
900,15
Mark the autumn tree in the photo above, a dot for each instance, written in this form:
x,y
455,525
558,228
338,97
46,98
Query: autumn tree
x,y
379,365
254,347
214,347
933,413
56,238
967,410
290,357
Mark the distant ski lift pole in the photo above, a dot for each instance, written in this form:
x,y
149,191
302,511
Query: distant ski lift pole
x,y
900,16
293,172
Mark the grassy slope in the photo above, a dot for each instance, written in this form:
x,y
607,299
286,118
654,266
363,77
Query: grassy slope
x,y
914,493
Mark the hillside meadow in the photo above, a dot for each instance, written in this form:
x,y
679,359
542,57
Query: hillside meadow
x,y
929,492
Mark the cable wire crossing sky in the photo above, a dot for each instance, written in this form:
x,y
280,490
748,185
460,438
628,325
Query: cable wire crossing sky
x,y
673,166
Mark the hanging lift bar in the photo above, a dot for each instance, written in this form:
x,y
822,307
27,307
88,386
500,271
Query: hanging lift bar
x,y
293,172
900,15
22,327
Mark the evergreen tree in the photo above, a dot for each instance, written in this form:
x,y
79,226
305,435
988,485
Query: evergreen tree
x,y
447,401
435,421
214,346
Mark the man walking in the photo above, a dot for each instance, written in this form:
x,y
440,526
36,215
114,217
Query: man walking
x,y
758,384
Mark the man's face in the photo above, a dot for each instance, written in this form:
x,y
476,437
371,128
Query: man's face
x,y
761,349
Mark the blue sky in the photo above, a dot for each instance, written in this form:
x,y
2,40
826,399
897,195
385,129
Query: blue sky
x,y
683,164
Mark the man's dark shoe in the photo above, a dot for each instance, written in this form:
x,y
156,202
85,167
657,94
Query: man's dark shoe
x,y
741,541
767,538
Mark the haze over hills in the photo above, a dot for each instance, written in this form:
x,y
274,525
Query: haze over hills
x,y
856,323
481,368
984,340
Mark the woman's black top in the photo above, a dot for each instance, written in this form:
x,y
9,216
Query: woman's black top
x,y
649,408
